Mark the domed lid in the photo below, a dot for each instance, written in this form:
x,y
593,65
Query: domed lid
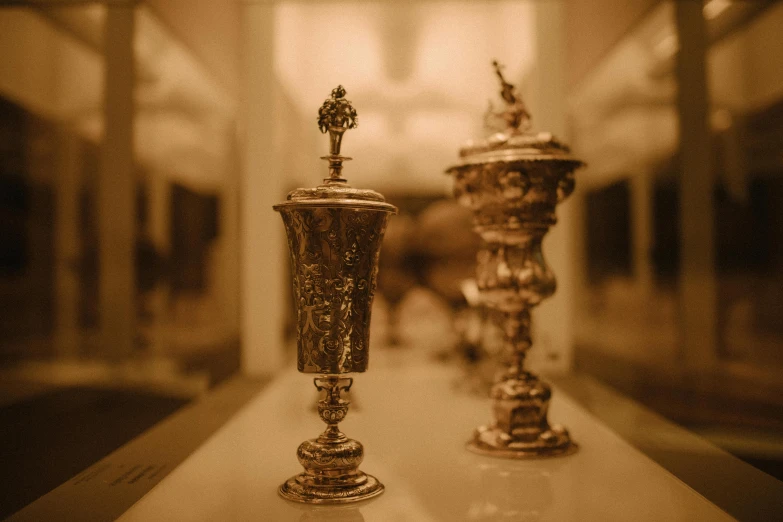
x,y
514,142
336,116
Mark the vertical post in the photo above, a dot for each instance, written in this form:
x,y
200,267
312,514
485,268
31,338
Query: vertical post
x,y
516,337
116,187
553,319
224,274
641,236
67,243
224,277
262,242
229,209
697,282
159,230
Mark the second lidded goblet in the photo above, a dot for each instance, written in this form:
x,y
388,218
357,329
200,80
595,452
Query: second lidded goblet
x,y
512,181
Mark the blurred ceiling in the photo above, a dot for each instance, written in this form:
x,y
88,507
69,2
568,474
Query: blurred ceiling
x,y
53,66
624,111
419,75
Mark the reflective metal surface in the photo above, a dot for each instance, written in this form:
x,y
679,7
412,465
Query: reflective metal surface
x,y
331,461
334,237
513,181
334,262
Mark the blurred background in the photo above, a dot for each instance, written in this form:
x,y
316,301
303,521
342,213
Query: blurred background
x,y
143,144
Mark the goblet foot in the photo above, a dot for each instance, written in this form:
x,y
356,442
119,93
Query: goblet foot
x,y
331,462
551,441
312,489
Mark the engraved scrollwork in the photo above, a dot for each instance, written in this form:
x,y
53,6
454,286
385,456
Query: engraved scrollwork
x,y
513,185
334,254
565,186
513,277
466,187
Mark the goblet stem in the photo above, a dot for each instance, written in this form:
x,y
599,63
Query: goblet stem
x,y
331,461
332,408
334,158
516,330
520,428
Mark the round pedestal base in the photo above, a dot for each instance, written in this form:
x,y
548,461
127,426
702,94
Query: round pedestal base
x,y
303,488
553,442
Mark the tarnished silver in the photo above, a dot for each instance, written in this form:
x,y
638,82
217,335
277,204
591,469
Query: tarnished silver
x,y
334,237
513,180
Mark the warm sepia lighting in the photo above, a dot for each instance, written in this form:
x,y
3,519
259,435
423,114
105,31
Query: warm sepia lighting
x,y
52,72
556,223
413,68
667,46
714,8
721,120
184,115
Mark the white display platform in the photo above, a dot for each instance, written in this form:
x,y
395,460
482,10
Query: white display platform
x,y
414,424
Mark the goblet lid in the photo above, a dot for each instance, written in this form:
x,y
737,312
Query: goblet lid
x,y
513,141
336,116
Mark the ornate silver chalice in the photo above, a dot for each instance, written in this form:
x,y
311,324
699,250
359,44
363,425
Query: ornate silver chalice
x,y
513,180
334,237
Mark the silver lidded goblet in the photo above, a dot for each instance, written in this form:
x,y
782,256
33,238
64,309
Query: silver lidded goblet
x,y
512,181
334,236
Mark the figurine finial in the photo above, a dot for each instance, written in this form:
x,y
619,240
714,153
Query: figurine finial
x,y
515,115
336,116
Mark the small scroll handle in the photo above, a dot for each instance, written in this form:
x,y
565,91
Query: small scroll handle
x,y
333,386
332,408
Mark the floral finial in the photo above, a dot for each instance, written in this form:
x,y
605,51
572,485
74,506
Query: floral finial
x,y
337,112
336,116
